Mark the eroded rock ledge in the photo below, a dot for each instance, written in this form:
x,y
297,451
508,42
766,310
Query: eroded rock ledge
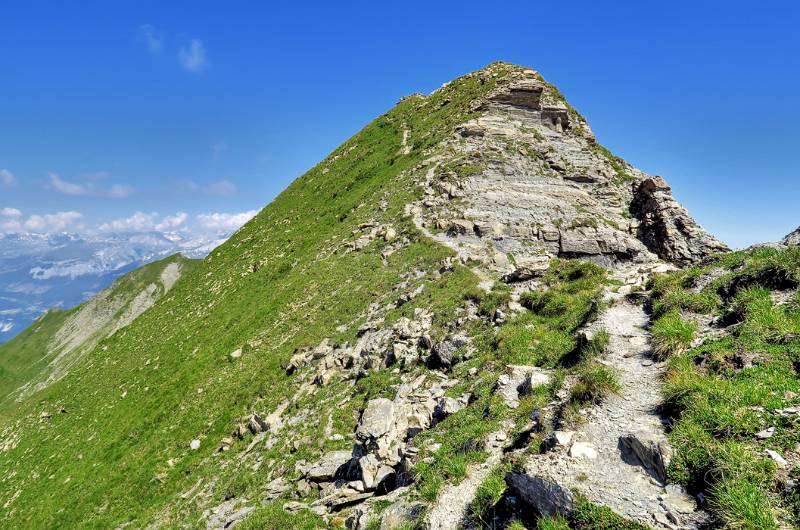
x,y
666,228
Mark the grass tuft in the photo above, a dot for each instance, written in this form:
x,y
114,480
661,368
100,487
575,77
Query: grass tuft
x,y
671,334
596,381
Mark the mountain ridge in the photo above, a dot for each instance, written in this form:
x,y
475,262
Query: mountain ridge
x,y
346,347
61,337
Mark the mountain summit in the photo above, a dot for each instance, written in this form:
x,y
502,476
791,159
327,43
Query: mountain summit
x,y
526,176
395,340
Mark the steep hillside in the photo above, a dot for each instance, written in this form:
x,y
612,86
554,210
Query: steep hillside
x,y
399,328
58,339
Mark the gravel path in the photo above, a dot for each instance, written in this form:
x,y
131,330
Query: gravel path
x,y
603,475
451,506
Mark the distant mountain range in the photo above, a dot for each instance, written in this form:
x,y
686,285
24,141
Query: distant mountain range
x,y
39,271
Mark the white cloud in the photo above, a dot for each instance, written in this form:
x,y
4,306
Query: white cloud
x,y
10,226
7,178
211,228
224,222
10,212
193,56
12,222
146,222
172,222
152,37
138,222
222,188
67,188
86,189
9,220
55,222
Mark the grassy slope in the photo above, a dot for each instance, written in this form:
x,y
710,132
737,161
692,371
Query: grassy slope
x,y
26,357
718,401
143,394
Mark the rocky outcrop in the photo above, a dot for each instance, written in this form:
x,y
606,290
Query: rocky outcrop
x,y
792,238
383,453
525,181
667,228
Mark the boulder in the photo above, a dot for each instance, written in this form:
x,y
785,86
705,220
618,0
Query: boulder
x,y
583,450
332,465
276,488
402,514
461,226
297,360
443,354
376,420
471,129
776,457
652,454
256,424
225,444
382,429
447,406
518,381
555,439
544,496
528,268
369,466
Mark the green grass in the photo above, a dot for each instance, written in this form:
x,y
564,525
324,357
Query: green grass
x,y
545,336
461,439
106,461
589,516
27,357
726,390
552,523
274,517
487,495
671,334
489,303
595,382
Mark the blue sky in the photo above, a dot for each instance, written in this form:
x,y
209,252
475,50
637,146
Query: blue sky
x,y
113,108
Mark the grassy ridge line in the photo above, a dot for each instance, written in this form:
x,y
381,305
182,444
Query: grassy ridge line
x,y
137,400
27,357
728,389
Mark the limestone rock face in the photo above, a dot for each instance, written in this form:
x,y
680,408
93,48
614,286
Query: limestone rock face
x,y
792,238
526,178
667,228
